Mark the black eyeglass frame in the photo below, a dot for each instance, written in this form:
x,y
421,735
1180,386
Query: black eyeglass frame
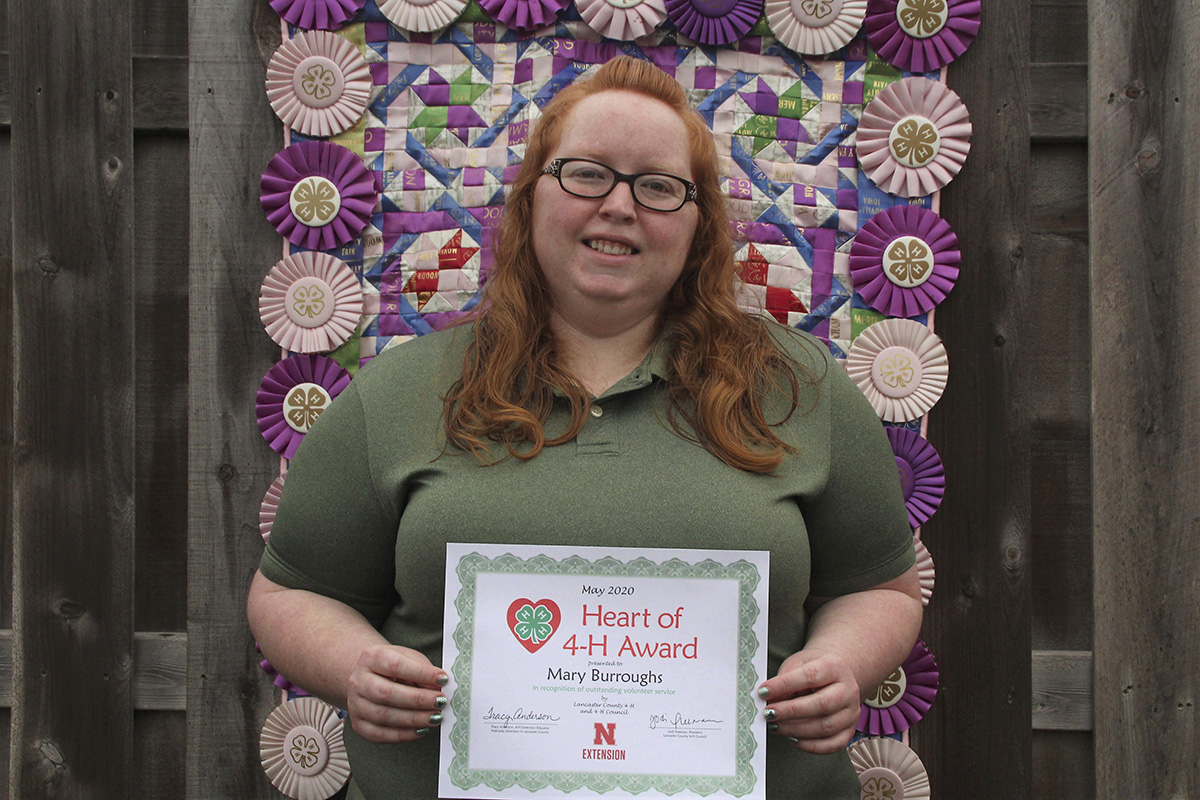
x,y
555,168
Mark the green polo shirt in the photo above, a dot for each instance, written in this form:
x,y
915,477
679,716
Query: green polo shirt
x,y
371,500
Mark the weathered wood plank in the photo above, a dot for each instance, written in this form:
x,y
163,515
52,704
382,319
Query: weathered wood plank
x,y
1059,31
979,623
161,241
1063,765
1062,690
1145,189
233,135
6,385
73,423
160,27
1058,102
159,741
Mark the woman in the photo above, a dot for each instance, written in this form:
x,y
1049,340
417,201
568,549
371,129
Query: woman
x,y
611,393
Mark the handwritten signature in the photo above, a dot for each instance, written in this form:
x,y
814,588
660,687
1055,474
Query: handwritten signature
x,y
520,715
679,721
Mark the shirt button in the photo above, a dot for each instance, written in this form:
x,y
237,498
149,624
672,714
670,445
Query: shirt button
x,y
597,411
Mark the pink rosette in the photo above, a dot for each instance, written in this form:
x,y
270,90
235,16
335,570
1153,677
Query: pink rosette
x,y
914,137
625,20
714,22
904,261
326,15
922,478
302,751
268,506
318,83
903,697
901,366
310,302
925,571
318,195
524,15
889,770
921,35
422,16
815,27
291,397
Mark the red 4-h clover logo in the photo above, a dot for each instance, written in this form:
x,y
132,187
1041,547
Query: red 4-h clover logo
x,y
533,622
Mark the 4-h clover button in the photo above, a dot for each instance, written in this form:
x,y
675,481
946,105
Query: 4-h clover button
x,y
305,750
888,693
914,141
303,404
922,18
315,201
896,371
318,82
908,262
310,302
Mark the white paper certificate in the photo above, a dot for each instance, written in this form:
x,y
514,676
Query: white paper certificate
x,y
609,672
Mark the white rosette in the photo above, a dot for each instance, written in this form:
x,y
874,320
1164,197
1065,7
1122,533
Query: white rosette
x,y
302,751
889,770
310,302
624,20
268,507
815,27
925,572
318,83
901,366
422,16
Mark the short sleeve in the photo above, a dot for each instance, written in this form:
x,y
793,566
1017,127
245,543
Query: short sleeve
x,y
331,534
858,528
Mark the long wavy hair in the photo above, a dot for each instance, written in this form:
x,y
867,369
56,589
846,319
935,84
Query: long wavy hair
x,y
724,365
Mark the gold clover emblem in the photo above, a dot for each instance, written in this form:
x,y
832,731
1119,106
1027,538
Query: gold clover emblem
x,y
304,406
308,301
921,17
315,201
914,142
878,788
897,371
889,692
305,751
317,82
910,261
817,8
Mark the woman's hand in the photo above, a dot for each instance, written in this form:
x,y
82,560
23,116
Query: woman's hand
x,y
813,699
394,694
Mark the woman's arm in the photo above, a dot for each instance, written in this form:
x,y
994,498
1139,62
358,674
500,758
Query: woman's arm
x,y
854,642
392,694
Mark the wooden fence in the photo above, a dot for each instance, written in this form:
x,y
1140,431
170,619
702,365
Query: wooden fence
x,y
131,132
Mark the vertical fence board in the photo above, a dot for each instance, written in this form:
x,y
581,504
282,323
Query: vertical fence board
x,y
233,136
73,415
5,417
978,624
1145,287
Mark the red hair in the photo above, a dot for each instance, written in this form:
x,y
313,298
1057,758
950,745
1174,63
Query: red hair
x,y
723,364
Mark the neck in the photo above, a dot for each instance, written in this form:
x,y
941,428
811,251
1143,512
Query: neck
x,y
600,358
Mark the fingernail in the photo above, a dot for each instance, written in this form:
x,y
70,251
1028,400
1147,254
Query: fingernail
x,y
769,714
442,680
793,740
421,731
763,691
441,701
435,719
772,727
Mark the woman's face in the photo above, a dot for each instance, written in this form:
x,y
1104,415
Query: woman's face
x,y
609,260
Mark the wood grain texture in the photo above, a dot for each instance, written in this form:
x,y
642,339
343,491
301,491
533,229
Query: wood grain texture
x,y
1063,765
159,740
73,421
978,624
1058,102
1062,690
1059,31
233,136
6,384
1145,202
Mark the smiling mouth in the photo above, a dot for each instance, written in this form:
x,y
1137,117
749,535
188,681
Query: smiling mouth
x,y
609,248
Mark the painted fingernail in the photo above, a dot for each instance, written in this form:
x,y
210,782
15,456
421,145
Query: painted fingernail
x,y
772,727
793,740
421,731
763,691
442,680
435,719
441,701
769,714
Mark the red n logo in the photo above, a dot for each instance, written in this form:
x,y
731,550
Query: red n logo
x,y
606,733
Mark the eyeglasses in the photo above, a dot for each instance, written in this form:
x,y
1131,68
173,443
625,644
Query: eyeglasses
x,y
657,191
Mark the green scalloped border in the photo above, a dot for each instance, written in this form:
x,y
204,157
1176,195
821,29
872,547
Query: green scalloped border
x,y
739,784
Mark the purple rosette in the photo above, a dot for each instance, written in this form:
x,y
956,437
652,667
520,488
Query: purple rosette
x,y
921,35
318,195
903,697
292,395
904,261
922,478
714,22
326,15
524,15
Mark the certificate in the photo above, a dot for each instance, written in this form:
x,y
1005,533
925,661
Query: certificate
x,y
603,672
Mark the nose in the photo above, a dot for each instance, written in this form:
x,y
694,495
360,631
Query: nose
x,y
619,202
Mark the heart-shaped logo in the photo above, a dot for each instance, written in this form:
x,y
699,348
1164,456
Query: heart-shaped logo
x,y
533,622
